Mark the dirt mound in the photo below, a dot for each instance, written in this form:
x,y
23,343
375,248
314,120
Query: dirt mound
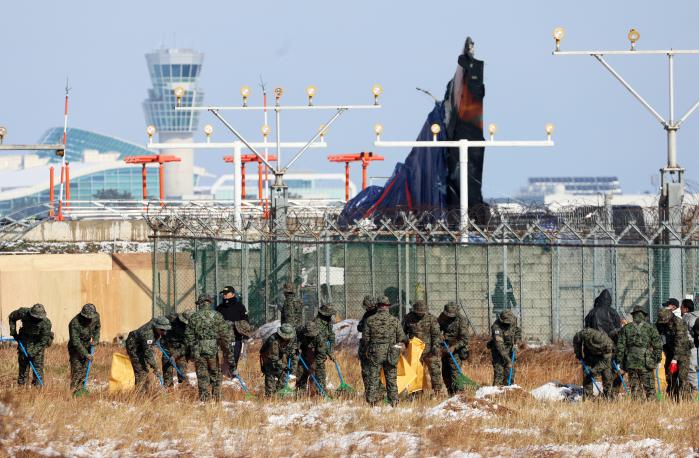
x,y
502,392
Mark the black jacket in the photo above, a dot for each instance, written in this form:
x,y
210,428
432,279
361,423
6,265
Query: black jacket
x,y
233,310
603,317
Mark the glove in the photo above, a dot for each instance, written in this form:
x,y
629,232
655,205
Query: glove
x,y
673,367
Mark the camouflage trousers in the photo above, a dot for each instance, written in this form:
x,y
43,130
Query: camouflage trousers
x,y
678,383
363,364
140,368
501,371
178,355
78,369
208,377
601,371
275,380
25,368
641,383
433,365
379,358
317,368
450,373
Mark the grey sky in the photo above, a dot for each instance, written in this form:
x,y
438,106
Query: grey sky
x,y
345,47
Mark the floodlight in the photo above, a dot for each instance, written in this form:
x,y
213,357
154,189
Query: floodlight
x,y
436,129
633,37
310,92
378,130
377,90
549,130
492,128
245,93
323,131
208,130
150,130
559,34
265,131
179,93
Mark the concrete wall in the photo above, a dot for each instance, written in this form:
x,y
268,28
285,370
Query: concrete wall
x,y
90,231
119,285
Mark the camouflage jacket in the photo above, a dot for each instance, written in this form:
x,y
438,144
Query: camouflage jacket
x,y
206,332
589,344
327,334
80,331
275,353
141,342
175,337
503,339
35,334
455,332
676,343
361,326
292,312
639,346
425,329
382,328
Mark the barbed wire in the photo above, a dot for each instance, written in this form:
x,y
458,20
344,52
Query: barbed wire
x,y
568,223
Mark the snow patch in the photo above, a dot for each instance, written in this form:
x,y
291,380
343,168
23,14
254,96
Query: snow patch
x,y
346,334
488,391
512,431
643,447
369,443
460,407
554,391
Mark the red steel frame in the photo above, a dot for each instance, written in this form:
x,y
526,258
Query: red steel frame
x,y
245,159
152,159
364,157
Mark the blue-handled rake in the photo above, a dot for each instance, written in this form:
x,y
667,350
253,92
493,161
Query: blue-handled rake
x,y
82,391
313,377
589,374
26,355
287,390
621,377
462,380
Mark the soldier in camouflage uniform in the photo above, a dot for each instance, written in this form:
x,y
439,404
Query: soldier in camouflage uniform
x,y
139,346
84,333
316,342
677,348
35,334
292,310
455,332
639,350
275,354
174,344
505,335
206,333
370,309
382,336
423,325
595,349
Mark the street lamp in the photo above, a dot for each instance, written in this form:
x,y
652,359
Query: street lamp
x,y
208,130
377,90
179,93
245,93
150,130
633,37
492,128
310,92
3,132
378,130
435,129
558,34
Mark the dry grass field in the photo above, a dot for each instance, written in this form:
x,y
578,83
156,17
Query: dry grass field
x,y
164,423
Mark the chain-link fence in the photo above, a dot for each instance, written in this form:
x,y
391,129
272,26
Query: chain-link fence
x,y
548,269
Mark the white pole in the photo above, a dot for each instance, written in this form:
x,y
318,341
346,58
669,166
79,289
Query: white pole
x,y
463,188
237,185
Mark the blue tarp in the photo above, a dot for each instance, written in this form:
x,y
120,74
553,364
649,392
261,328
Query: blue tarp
x,y
419,184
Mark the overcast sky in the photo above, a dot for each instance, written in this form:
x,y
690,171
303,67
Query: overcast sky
x,y
345,47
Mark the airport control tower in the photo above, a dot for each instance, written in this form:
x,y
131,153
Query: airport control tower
x,y
169,69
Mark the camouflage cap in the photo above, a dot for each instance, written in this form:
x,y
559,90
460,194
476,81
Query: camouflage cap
x,y
160,322
288,288
185,316
286,331
369,302
451,310
507,317
326,310
311,330
89,311
383,300
243,327
639,309
204,298
419,307
664,316
38,311
599,339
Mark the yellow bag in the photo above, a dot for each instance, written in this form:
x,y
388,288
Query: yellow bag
x,y
408,366
121,376
661,376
